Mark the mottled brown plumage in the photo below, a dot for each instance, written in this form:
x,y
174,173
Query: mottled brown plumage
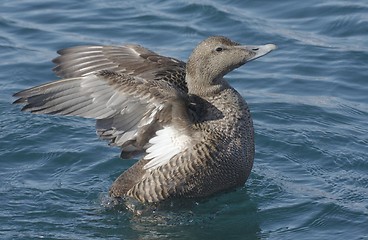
x,y
194,129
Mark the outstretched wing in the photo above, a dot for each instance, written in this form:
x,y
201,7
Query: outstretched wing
x,y
129,109
133,60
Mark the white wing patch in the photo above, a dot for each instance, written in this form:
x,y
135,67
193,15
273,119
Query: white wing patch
x,y
168,142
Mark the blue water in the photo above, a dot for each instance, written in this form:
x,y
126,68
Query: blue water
x,y
309,101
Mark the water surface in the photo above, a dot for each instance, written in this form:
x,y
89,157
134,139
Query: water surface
x,y
309,101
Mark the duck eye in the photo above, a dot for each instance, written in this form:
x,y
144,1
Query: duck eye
x,y
219,49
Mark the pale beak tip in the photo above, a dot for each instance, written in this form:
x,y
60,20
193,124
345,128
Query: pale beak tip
x,y
271,46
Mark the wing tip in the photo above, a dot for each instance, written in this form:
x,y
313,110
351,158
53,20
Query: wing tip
x,y
20,101
19,94
25,108
22,97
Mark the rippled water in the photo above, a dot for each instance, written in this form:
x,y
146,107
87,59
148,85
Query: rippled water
x,y
309,101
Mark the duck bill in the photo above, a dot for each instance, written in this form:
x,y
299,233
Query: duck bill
x,y
258,51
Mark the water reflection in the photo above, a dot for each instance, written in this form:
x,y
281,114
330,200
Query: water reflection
x,y
199,219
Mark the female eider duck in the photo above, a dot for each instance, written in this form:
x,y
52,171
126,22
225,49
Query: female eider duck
x,y
194,130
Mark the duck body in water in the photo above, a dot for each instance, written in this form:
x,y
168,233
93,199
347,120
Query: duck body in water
x,y
195,131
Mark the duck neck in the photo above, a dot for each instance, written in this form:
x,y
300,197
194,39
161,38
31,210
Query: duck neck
x,y
202,86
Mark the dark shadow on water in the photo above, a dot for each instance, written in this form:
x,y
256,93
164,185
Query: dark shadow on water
x,y
231,215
